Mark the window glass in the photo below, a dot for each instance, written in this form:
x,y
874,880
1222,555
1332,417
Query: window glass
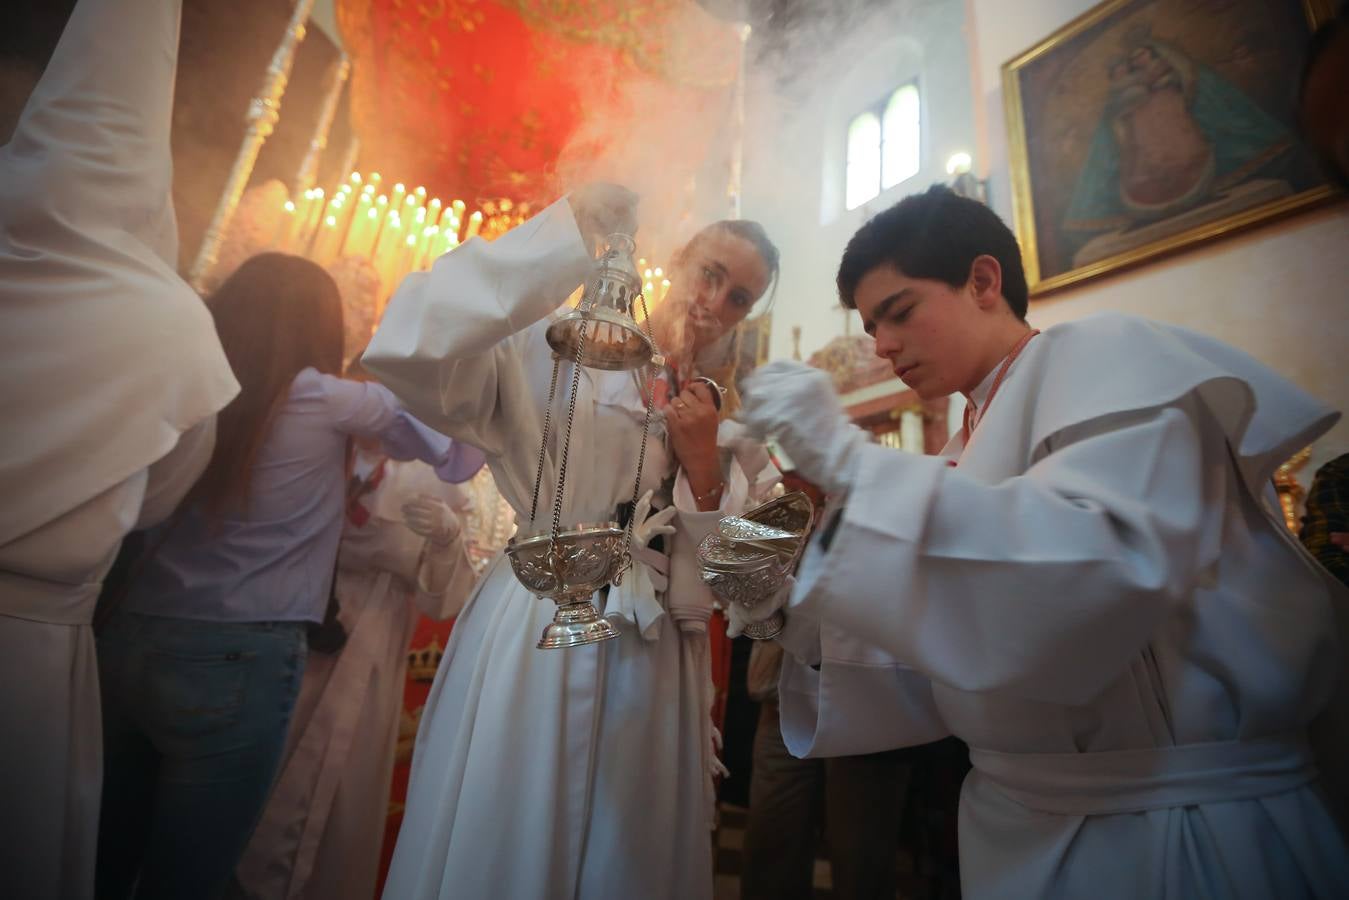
x,y
864,159
900,137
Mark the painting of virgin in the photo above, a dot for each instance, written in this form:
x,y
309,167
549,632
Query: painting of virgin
x,y
1146,126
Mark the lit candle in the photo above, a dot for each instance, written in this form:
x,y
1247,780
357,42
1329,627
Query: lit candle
x,y
360,234
405,254
386,248
284,227
325,242
425,253
313,216
355,223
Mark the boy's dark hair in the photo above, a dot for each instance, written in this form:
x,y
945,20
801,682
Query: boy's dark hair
x,y
936,234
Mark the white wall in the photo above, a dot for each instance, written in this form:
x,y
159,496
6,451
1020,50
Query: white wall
x,y
796,140
1281,292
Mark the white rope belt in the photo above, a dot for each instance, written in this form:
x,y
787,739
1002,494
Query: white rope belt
x,y
1122,781
48,602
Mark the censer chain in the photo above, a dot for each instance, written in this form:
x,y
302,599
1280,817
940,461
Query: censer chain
x,y
625,561
566,441
543,445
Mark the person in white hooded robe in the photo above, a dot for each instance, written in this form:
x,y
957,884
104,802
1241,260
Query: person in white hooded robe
x,y
112,376
1092,586
580,772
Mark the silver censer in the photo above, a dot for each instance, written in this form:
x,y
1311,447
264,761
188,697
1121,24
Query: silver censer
x,y
747,559
568,563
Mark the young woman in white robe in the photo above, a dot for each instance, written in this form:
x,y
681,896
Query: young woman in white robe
x,y
111,379
581,772
1092,586
402,553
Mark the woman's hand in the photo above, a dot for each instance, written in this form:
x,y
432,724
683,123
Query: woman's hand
x,y
692,421
601,209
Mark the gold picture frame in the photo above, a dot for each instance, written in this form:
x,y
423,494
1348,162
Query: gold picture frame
x,y
1144,127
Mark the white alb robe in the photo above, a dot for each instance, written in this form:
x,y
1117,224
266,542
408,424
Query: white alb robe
x,y
108,362
567,773
1103,603
321,833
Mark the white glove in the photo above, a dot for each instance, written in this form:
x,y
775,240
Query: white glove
x,y
634,599
738,616
718,767
432,518
796,405
645,526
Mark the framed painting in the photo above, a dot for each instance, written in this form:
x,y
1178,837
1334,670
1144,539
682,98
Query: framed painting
x,y
1146,126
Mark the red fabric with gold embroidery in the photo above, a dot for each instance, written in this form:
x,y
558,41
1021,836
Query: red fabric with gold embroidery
x,y
478,98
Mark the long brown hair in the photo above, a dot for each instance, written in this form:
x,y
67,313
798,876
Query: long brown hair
x,y
276,315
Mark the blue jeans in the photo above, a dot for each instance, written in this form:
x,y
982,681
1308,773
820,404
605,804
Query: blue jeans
x,y
194,717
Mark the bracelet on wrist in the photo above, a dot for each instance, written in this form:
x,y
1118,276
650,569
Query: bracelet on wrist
x,y
714,492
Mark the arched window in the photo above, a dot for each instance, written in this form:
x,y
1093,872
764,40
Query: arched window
x,y
883,146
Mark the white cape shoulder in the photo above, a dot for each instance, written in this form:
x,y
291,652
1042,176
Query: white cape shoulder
x,y
1081,368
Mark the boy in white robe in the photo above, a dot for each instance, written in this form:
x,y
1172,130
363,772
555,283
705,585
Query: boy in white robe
x,y
111,377
1091,586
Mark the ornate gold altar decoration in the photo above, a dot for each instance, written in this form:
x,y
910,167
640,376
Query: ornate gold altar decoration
x,y
851,362
263,114
1291,493
423,662
490,523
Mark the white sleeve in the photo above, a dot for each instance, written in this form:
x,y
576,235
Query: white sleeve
x,y
837,697
445,579
455,342
1044,584
172,476
688,599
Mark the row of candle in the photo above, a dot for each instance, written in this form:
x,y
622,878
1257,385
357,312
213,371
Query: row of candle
x,y
654,284
398,232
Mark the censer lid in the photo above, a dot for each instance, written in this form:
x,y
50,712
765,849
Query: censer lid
x,y
734,528
602,332
716,554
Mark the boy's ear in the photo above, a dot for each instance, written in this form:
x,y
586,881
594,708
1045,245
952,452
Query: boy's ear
x,y
986,281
